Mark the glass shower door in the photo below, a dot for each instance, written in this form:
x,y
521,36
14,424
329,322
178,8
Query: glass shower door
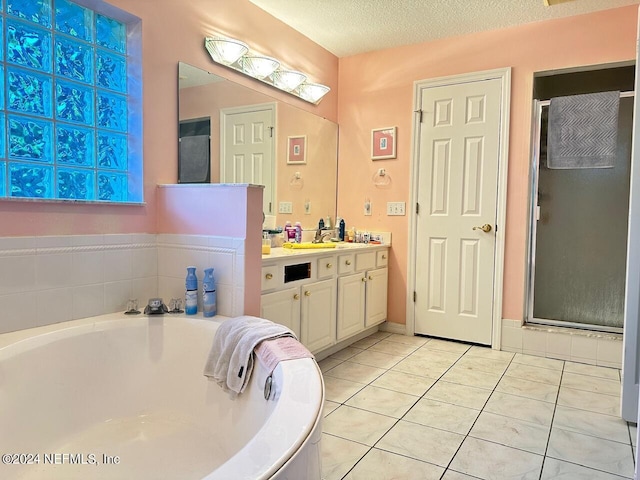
x,y
579,241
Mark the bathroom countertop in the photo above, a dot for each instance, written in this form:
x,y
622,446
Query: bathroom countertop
x,y
341,247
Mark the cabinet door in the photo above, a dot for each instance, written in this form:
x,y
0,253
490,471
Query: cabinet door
x,y
318,314
351,291
283,308
376,297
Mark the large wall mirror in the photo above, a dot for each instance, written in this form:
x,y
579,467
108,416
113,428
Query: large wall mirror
x,y
230,133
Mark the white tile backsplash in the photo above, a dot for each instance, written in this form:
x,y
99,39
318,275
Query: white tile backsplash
x,y
52,279
575,345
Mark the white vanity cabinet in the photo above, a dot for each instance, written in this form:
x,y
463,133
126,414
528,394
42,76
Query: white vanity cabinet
x,y
325,296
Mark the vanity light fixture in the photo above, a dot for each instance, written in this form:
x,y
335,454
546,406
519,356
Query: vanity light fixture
x,y
237,55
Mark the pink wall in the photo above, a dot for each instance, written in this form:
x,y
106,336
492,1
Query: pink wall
x,y
174,31
376,90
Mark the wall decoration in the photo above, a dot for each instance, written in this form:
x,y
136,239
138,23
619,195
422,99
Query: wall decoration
x,y
383,143
297,149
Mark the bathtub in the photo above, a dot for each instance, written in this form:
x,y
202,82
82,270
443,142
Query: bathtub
x,y
124,397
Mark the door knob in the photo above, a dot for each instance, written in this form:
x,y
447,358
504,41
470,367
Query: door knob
x,y
485,228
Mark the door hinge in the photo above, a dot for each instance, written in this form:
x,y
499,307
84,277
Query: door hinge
x,y
269,207
415,296
271,131
419,112
417,208
496,228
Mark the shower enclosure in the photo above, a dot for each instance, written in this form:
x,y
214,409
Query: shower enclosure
x,y
579,218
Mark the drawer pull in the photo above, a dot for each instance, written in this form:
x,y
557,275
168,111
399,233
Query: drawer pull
x,y
384,256
347,262
296,296
370,277
329,265
364,279
307,293
269,276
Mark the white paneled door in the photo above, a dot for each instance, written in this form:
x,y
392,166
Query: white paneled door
x,y
247,149
458,154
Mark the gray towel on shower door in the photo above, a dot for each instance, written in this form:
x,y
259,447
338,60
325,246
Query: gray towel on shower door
x,y
230,361
583,131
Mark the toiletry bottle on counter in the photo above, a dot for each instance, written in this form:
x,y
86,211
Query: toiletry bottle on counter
x,y
321,224
341,228
289,233
191,294
327,222
208,293
298,232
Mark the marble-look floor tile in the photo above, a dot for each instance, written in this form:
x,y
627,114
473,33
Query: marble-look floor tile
x,y
346,353
377,359
490,461
528,389
633,433
447,346
383,401
422,443
593,402
594,424
379,335
357,425
407,339
598,453
393,348
421,367
511,432
365,343
339,390
356,372
591,384
541,362
592,370
404,382
465,376
481,364
534,374
453,475
527,409
444,416
381,465
558,470
462,395
328,363
441,356
488,352
339,456
329,407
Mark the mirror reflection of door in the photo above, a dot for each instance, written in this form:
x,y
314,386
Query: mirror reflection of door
x,y
247,148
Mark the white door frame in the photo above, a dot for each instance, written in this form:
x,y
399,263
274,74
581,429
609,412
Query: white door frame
x,y
273,107
504,75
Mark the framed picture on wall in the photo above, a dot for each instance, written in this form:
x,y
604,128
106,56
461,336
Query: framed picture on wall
x,y
383,143
297,149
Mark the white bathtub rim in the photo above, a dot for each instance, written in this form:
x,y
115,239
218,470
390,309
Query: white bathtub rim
x,y
236,467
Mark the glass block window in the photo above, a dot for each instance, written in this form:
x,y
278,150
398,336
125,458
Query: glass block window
x,y
70,106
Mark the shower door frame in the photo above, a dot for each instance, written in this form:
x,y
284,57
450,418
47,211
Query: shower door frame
x,y
533,229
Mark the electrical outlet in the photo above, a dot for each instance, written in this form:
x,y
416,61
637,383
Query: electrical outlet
x,y
367,207
285,207
395,208
307,207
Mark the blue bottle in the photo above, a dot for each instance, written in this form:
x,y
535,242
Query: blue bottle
x,y
341,229
208,293
191,294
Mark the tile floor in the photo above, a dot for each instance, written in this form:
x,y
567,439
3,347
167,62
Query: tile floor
x,y
401,407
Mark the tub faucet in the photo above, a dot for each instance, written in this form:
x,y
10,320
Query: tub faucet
x,y
319,238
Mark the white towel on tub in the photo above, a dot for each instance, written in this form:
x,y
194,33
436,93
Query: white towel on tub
x,y
230,360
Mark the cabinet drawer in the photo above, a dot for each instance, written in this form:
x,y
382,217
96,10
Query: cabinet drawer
x,y
382,258
270,278
365,261
326,267
346,264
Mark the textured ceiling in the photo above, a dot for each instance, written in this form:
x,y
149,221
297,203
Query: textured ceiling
x,y
349,27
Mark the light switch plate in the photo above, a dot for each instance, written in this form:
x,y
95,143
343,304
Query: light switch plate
x,y
367,208
285,207
396,208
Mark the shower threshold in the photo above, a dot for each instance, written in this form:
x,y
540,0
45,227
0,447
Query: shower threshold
x,y
567,324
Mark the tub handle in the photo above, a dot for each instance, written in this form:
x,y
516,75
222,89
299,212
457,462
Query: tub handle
x,y
267,387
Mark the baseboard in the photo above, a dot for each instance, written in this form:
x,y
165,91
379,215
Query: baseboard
x,y
392,327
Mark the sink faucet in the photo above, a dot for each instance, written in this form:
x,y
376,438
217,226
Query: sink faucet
x,y
319,238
